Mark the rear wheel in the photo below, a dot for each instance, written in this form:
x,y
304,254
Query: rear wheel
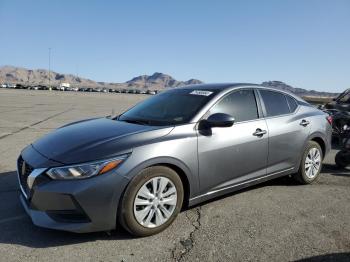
x,y
152,201
311,164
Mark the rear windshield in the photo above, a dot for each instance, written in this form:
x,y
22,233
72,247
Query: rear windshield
x,y
173,107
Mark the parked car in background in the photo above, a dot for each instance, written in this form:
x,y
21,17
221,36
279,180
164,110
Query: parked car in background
x,y
150,92
341,102
11,86
42,87
173,150
339,109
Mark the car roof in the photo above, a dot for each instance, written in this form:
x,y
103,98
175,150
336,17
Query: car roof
x,y
225,86
216,86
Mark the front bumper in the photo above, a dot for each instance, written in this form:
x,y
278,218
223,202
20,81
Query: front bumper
x,y
80,206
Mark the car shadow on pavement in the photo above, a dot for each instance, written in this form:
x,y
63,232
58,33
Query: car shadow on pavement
x,y
333,257
335,171
17,228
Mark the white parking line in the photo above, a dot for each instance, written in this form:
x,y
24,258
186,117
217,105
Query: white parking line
x,y
9,219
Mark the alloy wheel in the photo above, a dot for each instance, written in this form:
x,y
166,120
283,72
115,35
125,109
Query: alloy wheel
x,y
312,163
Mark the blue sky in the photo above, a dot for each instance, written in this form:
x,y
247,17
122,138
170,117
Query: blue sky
x,y
305,43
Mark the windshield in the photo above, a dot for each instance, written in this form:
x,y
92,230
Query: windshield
x,y
344,97
172,107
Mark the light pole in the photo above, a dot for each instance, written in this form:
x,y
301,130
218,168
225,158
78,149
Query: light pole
x,y
50,69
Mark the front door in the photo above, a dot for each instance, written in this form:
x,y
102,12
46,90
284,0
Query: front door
x,y
230,155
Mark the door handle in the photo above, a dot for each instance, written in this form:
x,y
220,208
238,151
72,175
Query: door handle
x,y
259,133
304,123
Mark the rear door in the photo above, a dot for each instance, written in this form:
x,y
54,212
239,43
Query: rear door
x,y
288,130
233,154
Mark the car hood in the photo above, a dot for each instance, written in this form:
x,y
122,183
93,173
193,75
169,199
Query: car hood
x,y
96,139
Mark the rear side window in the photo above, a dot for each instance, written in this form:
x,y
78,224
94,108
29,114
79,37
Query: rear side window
x,y
240,104
292,103
275,103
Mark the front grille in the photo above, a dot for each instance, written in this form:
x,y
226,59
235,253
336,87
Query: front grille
x,y
24,170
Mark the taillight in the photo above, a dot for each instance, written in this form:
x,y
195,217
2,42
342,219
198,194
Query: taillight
x,y
330,119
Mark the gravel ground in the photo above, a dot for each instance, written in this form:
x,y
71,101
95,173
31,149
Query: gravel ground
x,y
275,221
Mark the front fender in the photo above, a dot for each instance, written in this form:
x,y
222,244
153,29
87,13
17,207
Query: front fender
x,y
192,180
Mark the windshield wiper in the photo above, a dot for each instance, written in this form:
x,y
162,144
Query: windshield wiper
x,y
136,121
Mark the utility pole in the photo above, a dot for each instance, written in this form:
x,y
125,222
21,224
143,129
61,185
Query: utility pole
x,y
77,71
50,69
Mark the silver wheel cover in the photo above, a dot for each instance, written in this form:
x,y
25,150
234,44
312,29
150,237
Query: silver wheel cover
x,y
155,202
312,163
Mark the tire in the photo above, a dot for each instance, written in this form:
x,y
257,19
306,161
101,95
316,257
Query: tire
x,y
306,175
341,159
156,207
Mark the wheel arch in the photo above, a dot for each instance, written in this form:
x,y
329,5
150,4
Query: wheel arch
x,y
322,144
319,139
188,179
184,180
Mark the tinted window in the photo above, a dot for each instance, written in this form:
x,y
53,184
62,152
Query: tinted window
x,y
292,103
275,103
239,104
172,107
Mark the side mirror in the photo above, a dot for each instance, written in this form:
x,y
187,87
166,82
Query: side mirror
x,y
219,120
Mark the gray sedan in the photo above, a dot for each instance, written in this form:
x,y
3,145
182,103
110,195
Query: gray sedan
x,y
171,151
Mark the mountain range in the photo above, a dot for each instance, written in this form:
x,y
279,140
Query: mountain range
x,y
156,81
19,75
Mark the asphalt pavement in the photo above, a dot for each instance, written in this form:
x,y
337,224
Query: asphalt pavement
x,y
276,221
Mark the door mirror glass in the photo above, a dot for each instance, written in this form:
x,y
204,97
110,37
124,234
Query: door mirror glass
x,y
219,120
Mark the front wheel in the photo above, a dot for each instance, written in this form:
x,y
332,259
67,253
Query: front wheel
x,y
151,201
311,164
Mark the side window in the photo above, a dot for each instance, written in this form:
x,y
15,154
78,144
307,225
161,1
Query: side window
x,y
239,104
275,103
292,103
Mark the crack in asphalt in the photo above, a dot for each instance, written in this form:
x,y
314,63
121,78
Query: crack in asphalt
x,y
36,123
185,246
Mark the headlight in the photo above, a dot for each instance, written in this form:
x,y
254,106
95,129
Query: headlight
x,y
85,170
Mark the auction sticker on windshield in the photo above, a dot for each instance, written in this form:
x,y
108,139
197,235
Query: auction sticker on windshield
x,y
201,93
